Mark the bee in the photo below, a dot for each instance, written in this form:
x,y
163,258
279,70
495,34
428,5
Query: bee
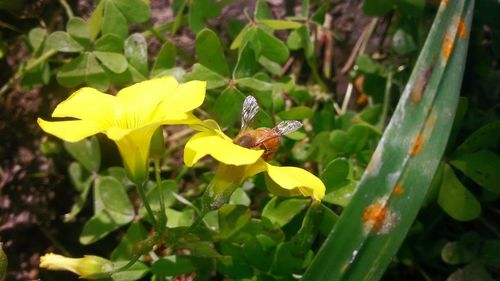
x,y
267,139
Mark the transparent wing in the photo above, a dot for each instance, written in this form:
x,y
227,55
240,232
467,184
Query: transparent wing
x,y
283,128
249,110
287,127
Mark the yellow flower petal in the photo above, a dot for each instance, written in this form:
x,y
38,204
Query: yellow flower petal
x,y
88,267
186,97
72,131
140,101
296,178
210,143
144,94
88,104
134,149
259,166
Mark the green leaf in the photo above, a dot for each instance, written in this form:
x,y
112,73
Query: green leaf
x,y
259,251
132,273
271,66
403,43
232,218
127,246
240,197
95,20
36,37
454,253
403,165
234,264
341,195
112,210
83,69
79,30
410,7
241,37
63,42
136,52
246,64
296,113
287,261
227,107
482,167
39,74
109,43
371,114
485,137
136,11
335,174
455,199
113,22
269,46
280,24
357,137
319,15
282,211
82,181
200,72
254,84
294,40
168,187
210,52
473,271
489,253
200,11
87,152
365,64
262,11
173,265
113,61
377,7
179,218
165,59
78,176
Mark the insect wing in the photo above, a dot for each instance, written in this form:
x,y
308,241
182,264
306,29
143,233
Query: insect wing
x,y
283,128
248,112
287,127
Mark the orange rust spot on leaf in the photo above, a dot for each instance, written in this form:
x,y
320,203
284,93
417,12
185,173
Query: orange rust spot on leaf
x,y
375,215
398,189
448,45
462,30
417,145
445,2
421,84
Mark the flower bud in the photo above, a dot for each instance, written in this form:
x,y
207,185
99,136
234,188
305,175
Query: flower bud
x,y
88,267
157,148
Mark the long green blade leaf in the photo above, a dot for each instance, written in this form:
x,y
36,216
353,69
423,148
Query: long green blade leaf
x,y
391,192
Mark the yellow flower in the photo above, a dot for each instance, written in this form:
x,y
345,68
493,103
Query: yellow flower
x,y
88,267
130,118
240,163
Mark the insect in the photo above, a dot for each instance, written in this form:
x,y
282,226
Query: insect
x,y
267,139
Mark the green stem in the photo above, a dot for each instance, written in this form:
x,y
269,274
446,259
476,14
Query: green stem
x,y
162,218
144,199
149,245
387,101
67,8
21,71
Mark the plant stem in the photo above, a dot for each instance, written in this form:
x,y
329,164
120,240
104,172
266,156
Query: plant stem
x,y
162,219
21,71
144,199
67,8
387,101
